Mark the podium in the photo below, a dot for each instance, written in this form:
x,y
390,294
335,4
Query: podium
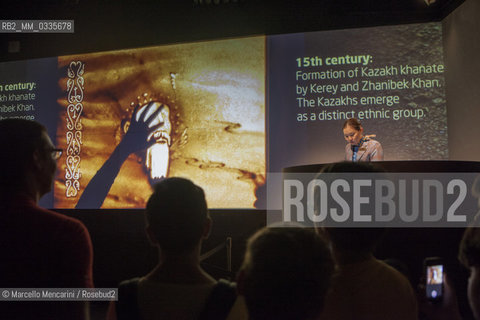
x,y
403,166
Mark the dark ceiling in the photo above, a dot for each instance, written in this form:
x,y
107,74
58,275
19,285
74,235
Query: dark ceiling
x,y
107,25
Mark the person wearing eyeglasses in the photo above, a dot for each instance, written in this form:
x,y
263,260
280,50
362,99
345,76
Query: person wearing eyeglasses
x,y
38,248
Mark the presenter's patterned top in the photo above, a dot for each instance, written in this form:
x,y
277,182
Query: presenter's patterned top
x,y
369,150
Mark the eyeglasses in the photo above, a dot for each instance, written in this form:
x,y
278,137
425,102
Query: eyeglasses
x,y
56,153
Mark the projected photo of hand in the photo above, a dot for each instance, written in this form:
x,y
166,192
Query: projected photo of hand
x,y
149,129
191,110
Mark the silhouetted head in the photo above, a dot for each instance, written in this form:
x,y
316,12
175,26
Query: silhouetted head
x,y
285,274
27,156
469,256
177,215
354,241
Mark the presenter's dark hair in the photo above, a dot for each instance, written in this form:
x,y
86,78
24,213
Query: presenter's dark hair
x,y
354,123
19,139
176,212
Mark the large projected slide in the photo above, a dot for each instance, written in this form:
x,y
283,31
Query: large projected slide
x,y
28,90
128,118
223,113
390,78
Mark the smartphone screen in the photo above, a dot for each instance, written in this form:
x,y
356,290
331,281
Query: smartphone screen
x,y
434,286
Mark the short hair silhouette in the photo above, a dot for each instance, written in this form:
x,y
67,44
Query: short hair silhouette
x,y
176,213
19,139
358,240
285,274
469,251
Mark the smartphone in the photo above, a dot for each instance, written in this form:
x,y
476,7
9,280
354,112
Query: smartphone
x,y
434,270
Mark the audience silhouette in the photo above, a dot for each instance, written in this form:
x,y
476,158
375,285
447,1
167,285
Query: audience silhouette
x,y
469,257
39,248
285,274
177,222
363,286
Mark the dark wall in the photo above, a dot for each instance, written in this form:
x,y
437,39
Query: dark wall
x,y
462,45
111,25
122,250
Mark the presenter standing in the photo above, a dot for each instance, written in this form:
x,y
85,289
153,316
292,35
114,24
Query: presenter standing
x,y
360,147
